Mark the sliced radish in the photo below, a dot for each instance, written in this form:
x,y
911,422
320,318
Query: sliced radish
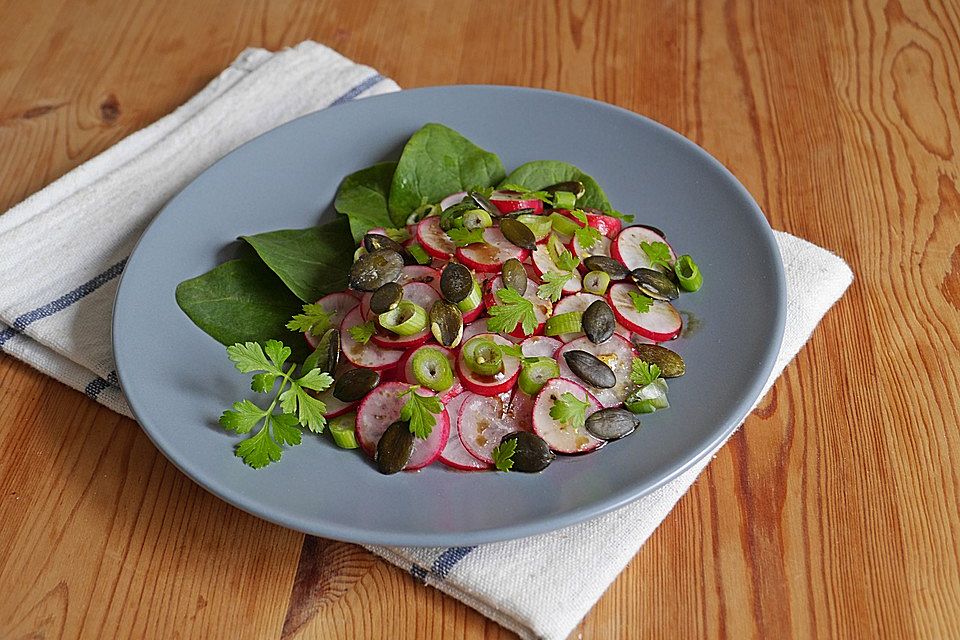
x,y
607,225
477,327
406,366
418,293
560,437
660,322
540,346
337,305
334,407
599,248
580,302
626,248
381,408
541,308
543,263
617,353
483,422
420,273
473,314
490,255
368,356
451,200
521,409
490,385
454,454
510,201
433,239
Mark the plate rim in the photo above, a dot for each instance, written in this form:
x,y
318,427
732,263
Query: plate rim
x,y
594,509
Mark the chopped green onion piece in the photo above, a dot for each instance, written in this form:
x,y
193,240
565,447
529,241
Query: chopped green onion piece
x,y
421,256
476,219
432,369
562,224
688,273
473,299
596,282
343,430
539,225
536,373
359,252
404,320
564,323
483,356
564,200
649,398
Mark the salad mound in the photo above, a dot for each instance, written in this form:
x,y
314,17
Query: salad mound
x,y
455,314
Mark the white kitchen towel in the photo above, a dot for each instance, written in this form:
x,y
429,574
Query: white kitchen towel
x,y
62,249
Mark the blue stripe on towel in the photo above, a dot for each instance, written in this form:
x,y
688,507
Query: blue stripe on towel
x,y
357,90
96,386
447,560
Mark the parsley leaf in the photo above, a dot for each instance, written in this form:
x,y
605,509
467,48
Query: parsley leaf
x,y
566,261
260,450
513,309
570,410
552,287
363,332
581,216
314,320
249,357
643,373
613,213
464,237
512,350
503,454
420,412
587,236
657,252
527,194
243,417
263,382
641,302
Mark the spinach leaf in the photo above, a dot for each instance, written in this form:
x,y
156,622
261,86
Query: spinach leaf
x,y
311,262
543,173
240,301
362,197
436,162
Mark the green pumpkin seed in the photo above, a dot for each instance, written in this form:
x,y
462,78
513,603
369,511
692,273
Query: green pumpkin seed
x,y
612,423
518,234
655,284
609,266
598,321
514,276
355,384
395,448
590,369
670,362
386,298
373,270
532,453
446,323
456,282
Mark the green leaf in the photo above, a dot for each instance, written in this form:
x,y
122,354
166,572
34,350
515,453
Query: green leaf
x,y
314,319
260,450
420,412
249,357
640,302
566,261
570,410
552,287
311,262
239,301
243,417
263,382
613,213
315,380
363,332
526,193
512,350
463,237
513,309
285,429
436,162
542,173
310,411
362,197
277,352
503,454
587,236
643,373
657,252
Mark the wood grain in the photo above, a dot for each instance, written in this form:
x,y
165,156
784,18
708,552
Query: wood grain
x,y
833,513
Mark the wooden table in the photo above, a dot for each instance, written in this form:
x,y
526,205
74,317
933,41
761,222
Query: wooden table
x,y
833,513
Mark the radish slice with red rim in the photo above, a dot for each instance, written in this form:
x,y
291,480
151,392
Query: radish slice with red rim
x,y
490,255
454,454
540,346
489,385
510,201
368,356
483,422
600,248
381,408
543,263
661,322
541,308
626,248
433,239
580,302
337,305
617,353
452,199
477,327
421,274
560,437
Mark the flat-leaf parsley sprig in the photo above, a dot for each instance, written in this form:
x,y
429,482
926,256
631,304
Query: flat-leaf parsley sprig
x,y
420,412
297,407
512,309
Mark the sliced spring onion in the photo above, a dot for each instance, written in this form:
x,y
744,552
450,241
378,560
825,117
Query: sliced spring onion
x,y
564,200
343,430
472,300
404,320
539,225
419,254
562,224
359,252
564,323
688,273
476,219
596,282
432,369
536,373
649,398
483,356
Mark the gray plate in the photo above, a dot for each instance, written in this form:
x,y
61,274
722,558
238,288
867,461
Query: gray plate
x,y
178,380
